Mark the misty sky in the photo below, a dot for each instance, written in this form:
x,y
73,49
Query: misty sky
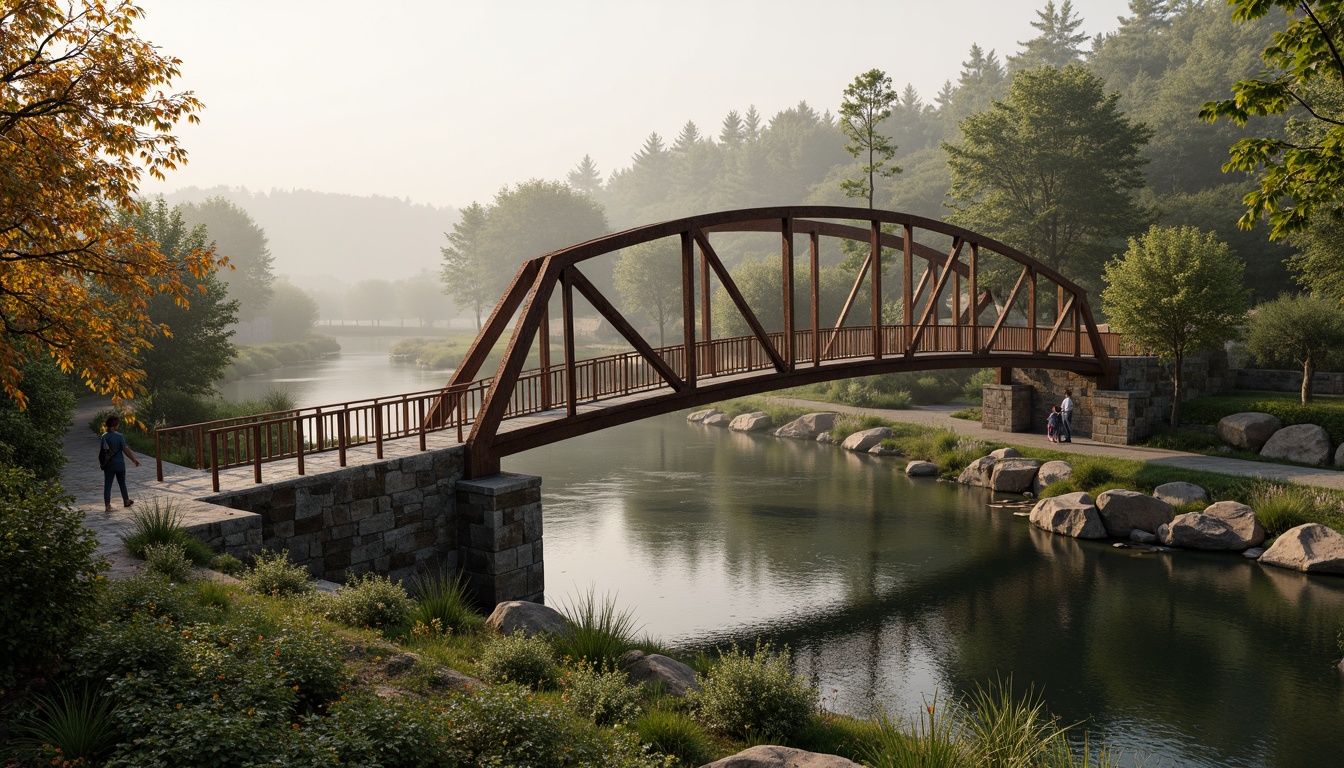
x,y
444,101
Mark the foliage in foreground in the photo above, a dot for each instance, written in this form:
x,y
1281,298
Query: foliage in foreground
x,y
754,695
48,573
371,601
273,574
598,631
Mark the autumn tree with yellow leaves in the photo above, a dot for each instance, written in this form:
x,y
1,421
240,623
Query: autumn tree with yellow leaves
x,y
86,109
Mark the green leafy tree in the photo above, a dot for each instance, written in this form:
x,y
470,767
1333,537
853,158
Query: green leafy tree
x,y
1303,329
866,104
1059,43
1177,291
374,300
466,273
293,312
420,298
33,436
1303,171
237,237
1318,265
534,218
648,278
192,348
1051,170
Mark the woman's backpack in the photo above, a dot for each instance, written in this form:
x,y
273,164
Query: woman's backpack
x,y
104,453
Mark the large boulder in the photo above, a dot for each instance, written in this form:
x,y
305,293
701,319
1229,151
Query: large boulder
x,y
716,420
1179,493
1227,525
1005,453
529,618
1125,511
979,472
1339,455
751,422
808,426
1310,548
1051,472
768,756
1013,475
1072,514
1248,431
921,469
699,417
1304,443
675,677
863,441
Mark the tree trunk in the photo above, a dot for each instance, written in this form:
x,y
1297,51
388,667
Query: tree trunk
x,y
1308,373
1176,393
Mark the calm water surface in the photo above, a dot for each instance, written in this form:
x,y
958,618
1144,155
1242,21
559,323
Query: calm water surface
x,y
889,589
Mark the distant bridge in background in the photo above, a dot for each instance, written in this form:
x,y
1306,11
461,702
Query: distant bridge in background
x,y
950,317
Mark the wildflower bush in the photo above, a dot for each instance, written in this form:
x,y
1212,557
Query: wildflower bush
x,y
602,694
527,661
754,693
273,574
370,601
168,559
49,580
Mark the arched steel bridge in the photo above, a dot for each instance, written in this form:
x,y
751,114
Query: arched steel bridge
x,y
949,317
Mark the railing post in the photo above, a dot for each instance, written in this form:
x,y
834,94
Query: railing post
x,y
214,463
378,430
420,409
298,430
342,427
158,456
256,454
200,448
813,256
321,430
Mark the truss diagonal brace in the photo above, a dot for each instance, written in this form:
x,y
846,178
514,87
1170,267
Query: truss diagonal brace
x,y
756,328
600,303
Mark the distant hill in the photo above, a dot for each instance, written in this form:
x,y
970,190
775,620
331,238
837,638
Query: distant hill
x,y
325,238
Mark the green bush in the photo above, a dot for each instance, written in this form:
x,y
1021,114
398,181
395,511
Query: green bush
x,y
600,694
369,601
123,647
1280,506
36,432
443,598
598,631
1327,411
754,693
168,559
227,563
150,594
273,574
514,658
49,580
674,733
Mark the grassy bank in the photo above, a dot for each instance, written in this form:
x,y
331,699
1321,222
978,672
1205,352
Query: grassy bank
x,y
1280,505
256,358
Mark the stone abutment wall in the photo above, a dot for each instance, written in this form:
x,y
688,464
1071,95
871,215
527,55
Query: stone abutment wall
x,y
404,517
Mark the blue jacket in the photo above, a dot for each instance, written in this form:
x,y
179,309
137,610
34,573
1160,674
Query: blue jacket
x,y
116,442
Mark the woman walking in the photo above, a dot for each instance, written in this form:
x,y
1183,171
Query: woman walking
x,y
115,467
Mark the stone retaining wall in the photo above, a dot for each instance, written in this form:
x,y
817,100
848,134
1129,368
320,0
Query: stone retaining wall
x,y
1287,381
1007,407
402,517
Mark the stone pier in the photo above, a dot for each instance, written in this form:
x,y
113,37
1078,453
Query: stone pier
x,y
499,530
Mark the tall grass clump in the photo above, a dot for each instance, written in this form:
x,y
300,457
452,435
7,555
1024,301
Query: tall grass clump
x,y
598,631
158,524
1280,506
932,740
443,602
67,726
273,574
1005,731
754,694
675,733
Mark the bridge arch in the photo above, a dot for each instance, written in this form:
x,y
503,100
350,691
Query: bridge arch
x,y
946,294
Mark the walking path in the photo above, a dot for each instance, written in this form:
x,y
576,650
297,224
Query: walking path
x,y
941,416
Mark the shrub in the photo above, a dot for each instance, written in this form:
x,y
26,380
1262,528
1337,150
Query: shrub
x,y
150,594
517,659
227,563
273,574
445,599
600,694
67,726
49,580
754,693
598,631
169,559
124,647
370,601
674,733
212,594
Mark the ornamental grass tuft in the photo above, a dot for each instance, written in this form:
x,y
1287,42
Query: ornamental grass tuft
x,y
598,631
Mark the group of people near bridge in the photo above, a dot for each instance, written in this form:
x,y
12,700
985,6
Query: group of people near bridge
x,y
1058,428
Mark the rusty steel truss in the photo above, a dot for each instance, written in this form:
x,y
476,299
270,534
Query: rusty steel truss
x,y
943,305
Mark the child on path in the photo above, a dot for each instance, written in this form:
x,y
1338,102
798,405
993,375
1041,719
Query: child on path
x,y
115,443
1053,424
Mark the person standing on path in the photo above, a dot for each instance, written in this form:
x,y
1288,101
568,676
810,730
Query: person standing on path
x,y
118,451
1066,410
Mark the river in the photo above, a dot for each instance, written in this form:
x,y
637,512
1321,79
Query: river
x,y
888,589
